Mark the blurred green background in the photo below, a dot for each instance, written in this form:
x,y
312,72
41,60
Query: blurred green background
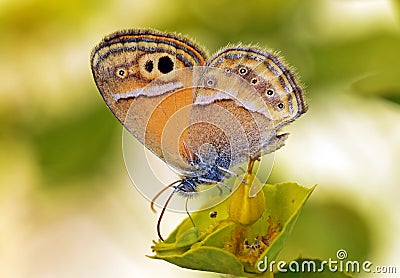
x,y
67,206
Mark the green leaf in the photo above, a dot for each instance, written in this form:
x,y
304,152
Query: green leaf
x,y
207,258
219,244
289,198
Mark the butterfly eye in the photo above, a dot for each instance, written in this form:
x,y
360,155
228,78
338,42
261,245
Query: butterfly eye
x,y
270,92
280,105
121,73
242,71
254,81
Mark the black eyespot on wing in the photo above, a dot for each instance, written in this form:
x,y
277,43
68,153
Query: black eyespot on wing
x,y
149,66
121,73
165,64
281,105
254,81
210,82
242,71
270,92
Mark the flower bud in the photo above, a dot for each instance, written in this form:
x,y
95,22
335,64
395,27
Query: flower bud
x,y
243,209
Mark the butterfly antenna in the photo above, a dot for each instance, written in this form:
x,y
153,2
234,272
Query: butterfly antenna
x,y
158,195
187,211
162,214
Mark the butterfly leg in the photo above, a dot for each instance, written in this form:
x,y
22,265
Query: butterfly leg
x,y
217,182
187,211
220,189
241,169
232,173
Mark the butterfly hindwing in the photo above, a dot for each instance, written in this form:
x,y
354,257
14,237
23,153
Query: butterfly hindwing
x,y
260,92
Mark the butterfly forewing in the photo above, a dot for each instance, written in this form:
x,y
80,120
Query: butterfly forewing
x,y
124,66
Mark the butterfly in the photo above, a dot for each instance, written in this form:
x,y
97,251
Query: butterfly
x,y
201,115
